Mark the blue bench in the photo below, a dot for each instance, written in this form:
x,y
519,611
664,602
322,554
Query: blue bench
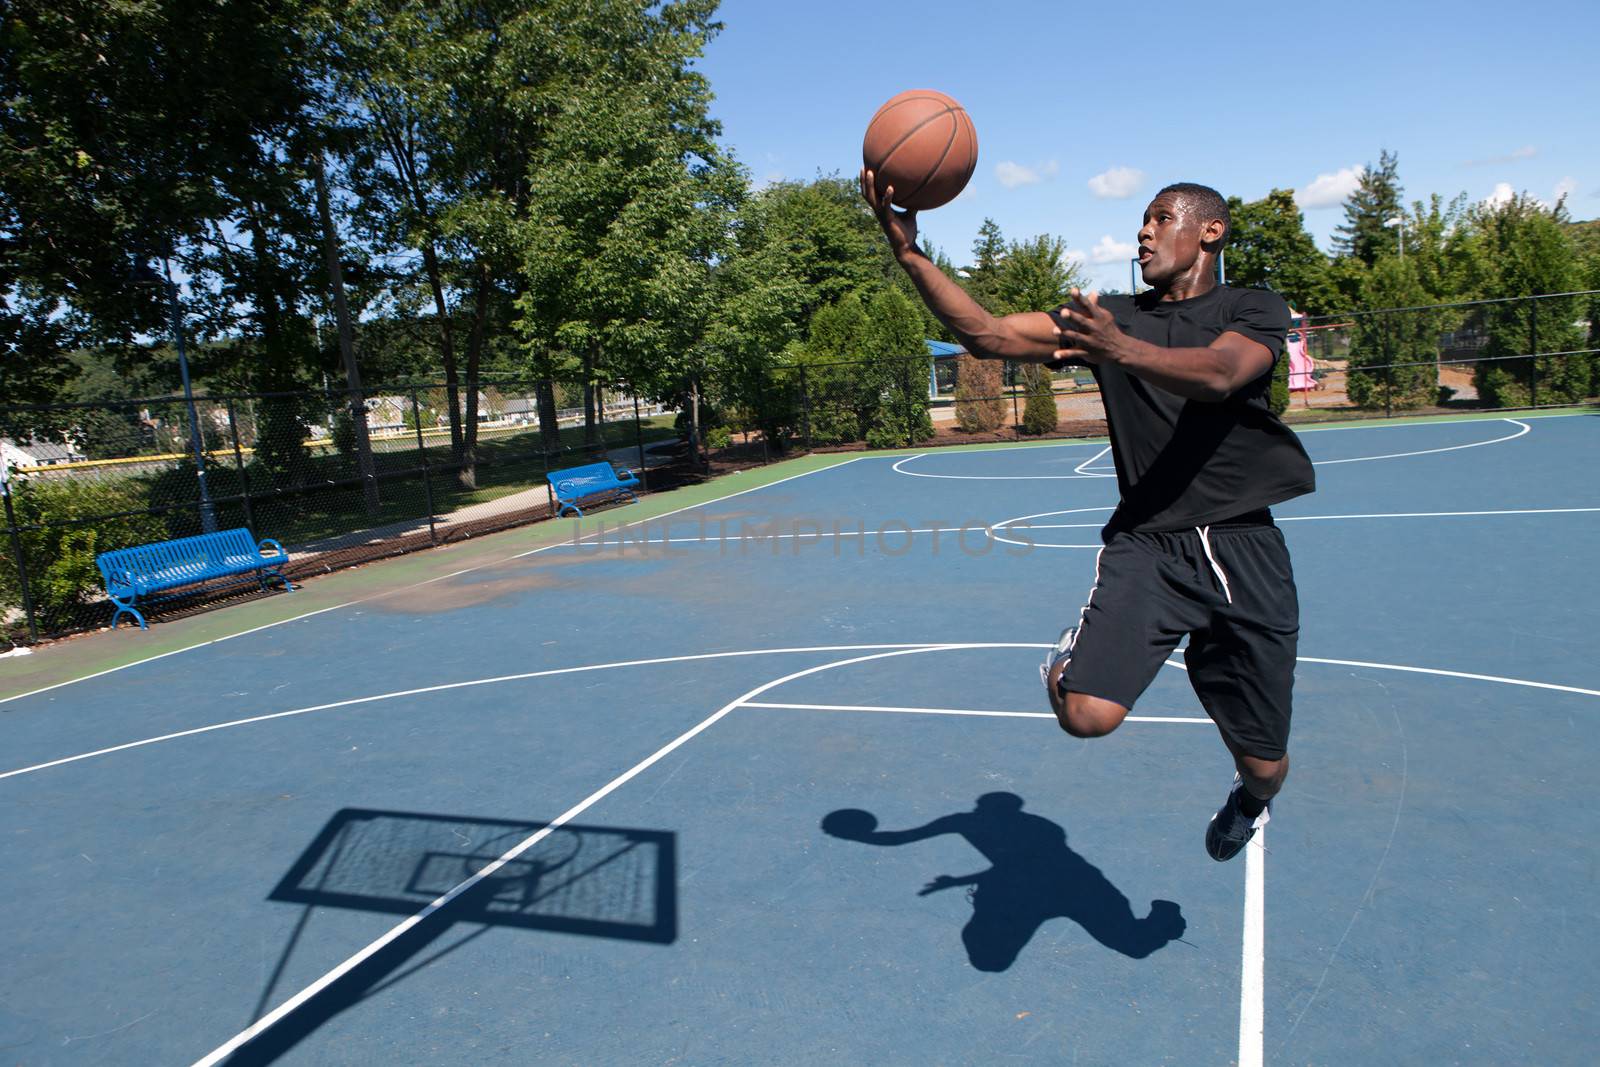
x,y
595,479
134,574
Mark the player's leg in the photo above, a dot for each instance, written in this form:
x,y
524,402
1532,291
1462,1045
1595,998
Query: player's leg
x,y
1130,624
1242,668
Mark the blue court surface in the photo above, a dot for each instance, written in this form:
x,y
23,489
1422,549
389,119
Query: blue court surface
x,y
772,780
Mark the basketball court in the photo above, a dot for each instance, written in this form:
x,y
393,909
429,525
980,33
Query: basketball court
x,y
769,778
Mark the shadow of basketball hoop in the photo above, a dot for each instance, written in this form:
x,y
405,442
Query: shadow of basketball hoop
x,y
594,881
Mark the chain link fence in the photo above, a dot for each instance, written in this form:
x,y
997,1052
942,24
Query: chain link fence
x,y
1522,352
338,479
341,479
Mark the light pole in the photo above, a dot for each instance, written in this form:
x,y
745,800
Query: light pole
x,y
1399,224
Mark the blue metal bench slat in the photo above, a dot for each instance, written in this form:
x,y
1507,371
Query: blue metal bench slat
x,y
138,571
575,483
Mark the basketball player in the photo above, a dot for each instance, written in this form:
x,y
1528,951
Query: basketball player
x,y
1184,371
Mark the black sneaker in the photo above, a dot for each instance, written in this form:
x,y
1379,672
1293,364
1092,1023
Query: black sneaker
x,y
1231,829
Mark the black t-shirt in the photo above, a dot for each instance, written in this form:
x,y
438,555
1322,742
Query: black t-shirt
x,y
1183,463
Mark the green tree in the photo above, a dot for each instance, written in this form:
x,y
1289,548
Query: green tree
x,y
796,247
1363,236
129,132
842,396
1269,247
988,253
897,343
1386,338
1035,275
1522,248
629,207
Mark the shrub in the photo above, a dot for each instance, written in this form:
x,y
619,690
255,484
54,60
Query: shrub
x,y
1039,416
979,406
62,576
1278,398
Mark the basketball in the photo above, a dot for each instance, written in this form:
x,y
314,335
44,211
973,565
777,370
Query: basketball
x,y
923,143
852,824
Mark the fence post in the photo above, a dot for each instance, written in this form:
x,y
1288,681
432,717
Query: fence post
x,y
238,462
638,437
1008,370
16,550
1533,351
805,407
1388,371
422,454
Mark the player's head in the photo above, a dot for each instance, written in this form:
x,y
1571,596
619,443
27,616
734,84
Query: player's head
x,y
999,803
1182,234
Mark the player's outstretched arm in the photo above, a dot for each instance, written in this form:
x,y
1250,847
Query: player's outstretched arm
x,y
1030,337
1211,374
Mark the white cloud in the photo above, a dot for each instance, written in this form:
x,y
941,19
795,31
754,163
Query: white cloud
x,y
1502,195
1565,187
1118,183
1527,151
1075,255
1109,250
1011,175
1329,190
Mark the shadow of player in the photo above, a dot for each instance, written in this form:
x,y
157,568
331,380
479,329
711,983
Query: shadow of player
x,y
1033,877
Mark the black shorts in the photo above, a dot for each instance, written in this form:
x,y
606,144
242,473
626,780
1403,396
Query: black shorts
x,y
1236,603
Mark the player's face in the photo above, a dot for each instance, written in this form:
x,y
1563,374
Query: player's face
x,y
1169,239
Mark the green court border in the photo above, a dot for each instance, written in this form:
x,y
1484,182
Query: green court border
x,y
70,659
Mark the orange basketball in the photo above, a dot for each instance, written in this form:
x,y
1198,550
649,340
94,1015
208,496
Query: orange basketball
x,y
922,143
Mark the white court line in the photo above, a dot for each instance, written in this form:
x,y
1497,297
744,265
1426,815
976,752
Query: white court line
x,y
990,477
1252,985
1080,468
1326,518
957,711
291,1005
813,535
438,689
1430,451
1449,674
1432,514
728,655
418,585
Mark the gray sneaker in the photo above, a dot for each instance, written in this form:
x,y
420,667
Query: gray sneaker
x,y
1061,650
1231,829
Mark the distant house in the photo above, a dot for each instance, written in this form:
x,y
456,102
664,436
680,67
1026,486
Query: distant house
x,y
520,410
387,412
34,453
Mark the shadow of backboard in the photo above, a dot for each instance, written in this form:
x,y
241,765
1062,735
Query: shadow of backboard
x,y
596,880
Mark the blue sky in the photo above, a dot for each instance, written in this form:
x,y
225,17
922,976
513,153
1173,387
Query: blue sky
x,y
1084,110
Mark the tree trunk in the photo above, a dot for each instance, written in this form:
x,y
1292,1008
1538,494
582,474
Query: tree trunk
x,y
549,431
447,347
694,418
468,474
341,310
588,397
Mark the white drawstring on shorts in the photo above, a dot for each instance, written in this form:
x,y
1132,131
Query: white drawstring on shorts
x,y
1205,542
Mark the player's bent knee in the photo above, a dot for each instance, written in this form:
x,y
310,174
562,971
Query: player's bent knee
x,y
1263,776
1082,715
